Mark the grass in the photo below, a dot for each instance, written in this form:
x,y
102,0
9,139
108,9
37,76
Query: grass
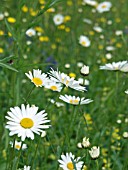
x,y
104,120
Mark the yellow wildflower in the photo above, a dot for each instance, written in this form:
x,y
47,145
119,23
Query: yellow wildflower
x,y
11,19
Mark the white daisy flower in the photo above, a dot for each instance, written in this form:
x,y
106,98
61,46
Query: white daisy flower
x,y
94,152
126,91
84,70
88,21
25,122
1,16
58,19
121,65
27,167
90,2
18,145
104,7
119,32
125,134
63,78
30,32
110,48
97,29
53,86
85,142
38,78
84,41
75,100
67,162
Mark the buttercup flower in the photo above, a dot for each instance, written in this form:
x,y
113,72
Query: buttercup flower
x,y
104,7
84,70
24,122
30,32
63,78
38,78
18,145
84,41
66,162
75,100
58,19
94,152
11,19
121,65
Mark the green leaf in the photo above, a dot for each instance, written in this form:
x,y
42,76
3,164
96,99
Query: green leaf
x,y
7,58
47,6
3,166
8,67
15,163
10,29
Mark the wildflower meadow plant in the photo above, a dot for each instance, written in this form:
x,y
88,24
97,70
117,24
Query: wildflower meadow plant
x,y
64,85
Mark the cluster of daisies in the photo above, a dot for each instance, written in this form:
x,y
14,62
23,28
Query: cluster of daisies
x,y
69,162
26,121
56,81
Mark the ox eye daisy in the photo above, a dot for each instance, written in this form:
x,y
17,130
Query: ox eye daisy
x,y
58,19
18,145
27,167
38,78
69,162
53,86
24,122
84,41
75,100
63,78
94,152
30,32
104,7
121,65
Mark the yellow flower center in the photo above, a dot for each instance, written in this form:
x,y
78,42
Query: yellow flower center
x,y
83,43
70,166
37,81
67,82
58,19
74,101
26,123
54,88
17,146
104,6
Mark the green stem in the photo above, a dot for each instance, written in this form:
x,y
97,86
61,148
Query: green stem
x,y
72,120
117,82
19,156
35,153
30,92
13,152
97,164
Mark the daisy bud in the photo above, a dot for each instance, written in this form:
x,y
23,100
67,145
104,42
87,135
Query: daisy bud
x,y
79,145
43,134
84,70
94,152
125,134
85,142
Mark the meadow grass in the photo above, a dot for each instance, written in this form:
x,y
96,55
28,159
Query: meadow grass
x,y
104,120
